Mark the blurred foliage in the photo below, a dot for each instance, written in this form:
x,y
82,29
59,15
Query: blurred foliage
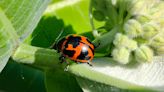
x,y
21,78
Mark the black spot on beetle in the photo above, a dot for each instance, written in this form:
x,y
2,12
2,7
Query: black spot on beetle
x,y
73,40
84,56
69,53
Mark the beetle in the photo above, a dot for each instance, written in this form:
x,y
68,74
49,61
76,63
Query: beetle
x,y
75,47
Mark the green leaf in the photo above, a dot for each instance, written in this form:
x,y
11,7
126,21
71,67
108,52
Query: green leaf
x,y
24,14
77,17
138,77
55,20
59,80
105,72
48,30
56,79
21,78
17,21
93,86
8,39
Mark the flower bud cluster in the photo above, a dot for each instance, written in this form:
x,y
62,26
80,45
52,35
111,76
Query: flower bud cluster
x,y
141,35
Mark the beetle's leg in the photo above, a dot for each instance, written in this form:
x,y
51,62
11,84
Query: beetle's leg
x,y
76,61
66,68
89,63
63,59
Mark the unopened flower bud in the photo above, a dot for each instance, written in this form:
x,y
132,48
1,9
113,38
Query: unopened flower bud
x,y
121,55
150,30
158,41
137,7
159,50
132,45
120,40
133,28
143,54
156,10
143,18
123,41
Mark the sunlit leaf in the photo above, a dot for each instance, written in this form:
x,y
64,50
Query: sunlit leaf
x,y
72,12
17,21
8,39
145,77
24,14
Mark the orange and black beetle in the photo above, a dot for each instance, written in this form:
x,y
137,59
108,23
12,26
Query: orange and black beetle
x,y
75,47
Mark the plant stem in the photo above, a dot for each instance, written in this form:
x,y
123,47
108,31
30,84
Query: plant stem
x,y
36,56
106,39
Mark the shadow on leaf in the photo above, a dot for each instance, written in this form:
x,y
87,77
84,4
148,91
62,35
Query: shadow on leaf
x,y
48,30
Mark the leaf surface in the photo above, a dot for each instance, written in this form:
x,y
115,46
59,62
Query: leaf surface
x,y
18,18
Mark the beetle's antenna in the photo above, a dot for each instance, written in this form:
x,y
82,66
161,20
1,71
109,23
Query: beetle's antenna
x,y
57,38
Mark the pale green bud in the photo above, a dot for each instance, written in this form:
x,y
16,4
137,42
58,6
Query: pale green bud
x,y
133,28
157,41
132,45
160,50
120,40
150,30
160,22
157,10
121,55
123,41
143,18
143,54
138,7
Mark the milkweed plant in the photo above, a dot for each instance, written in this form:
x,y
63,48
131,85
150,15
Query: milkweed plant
x,y
140,33
129,35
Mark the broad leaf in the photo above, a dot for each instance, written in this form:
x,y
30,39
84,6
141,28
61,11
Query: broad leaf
x,y
145,77
59,80
72,12
8,39
17,21
93,86
21,78
48,30
24,14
